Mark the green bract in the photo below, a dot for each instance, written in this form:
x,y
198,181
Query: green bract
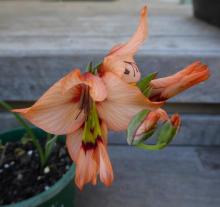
x,y
135,123
144,84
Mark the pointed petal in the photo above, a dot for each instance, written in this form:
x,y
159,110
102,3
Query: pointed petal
x,y
86,168
164,88
73,143
137,39
122,103
56,112
104,130
106,171
120,59
97,88
163,116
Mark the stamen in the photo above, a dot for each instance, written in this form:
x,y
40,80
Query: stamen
x,y
77,116
85,101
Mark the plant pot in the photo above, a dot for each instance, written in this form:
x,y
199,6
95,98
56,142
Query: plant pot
x,y
207,10
60,194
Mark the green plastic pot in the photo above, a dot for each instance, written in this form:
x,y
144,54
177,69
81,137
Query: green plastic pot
x,y
60,194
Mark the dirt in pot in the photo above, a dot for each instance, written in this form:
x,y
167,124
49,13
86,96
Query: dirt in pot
x,y
21,176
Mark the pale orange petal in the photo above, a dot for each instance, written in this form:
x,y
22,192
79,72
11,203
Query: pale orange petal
x,y
148,124
104,130
73,143
97,88
120,60
164,88
163,116
137,39
86,168
122,103
106,171
56,112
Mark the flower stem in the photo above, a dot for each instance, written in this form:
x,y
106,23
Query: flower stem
x,y
28,130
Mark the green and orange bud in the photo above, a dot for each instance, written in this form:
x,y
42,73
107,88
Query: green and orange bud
x,y
142,127
144,124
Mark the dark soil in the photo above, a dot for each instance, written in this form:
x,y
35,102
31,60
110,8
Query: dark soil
x,y
21,176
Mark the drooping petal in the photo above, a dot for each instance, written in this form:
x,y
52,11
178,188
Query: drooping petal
x,y
86,168
104,130
58,110
122,103
120,60
164,88
106,171
73,143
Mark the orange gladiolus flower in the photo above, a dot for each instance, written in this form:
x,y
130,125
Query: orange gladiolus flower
x,y
83,106
165,88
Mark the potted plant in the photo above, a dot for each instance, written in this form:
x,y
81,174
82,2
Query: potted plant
x,y
35,170
207,10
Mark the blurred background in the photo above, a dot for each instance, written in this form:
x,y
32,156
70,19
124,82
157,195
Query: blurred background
x,y
40,41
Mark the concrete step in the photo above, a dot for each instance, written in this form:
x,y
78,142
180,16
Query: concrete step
x,y
176,176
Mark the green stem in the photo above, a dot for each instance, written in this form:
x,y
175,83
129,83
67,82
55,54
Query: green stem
x,y
151,147
28,130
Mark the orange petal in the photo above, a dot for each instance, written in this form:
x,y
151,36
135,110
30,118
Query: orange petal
x,y
164,88
148,124
86,168
122,103
136,40
73,143
97,88
104,130
120,59
106,172
56,112
176,121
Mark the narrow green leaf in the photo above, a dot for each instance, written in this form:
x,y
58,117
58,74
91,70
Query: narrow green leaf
x,y
134,124
49,146
143,84
27,128
89,67
150,147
